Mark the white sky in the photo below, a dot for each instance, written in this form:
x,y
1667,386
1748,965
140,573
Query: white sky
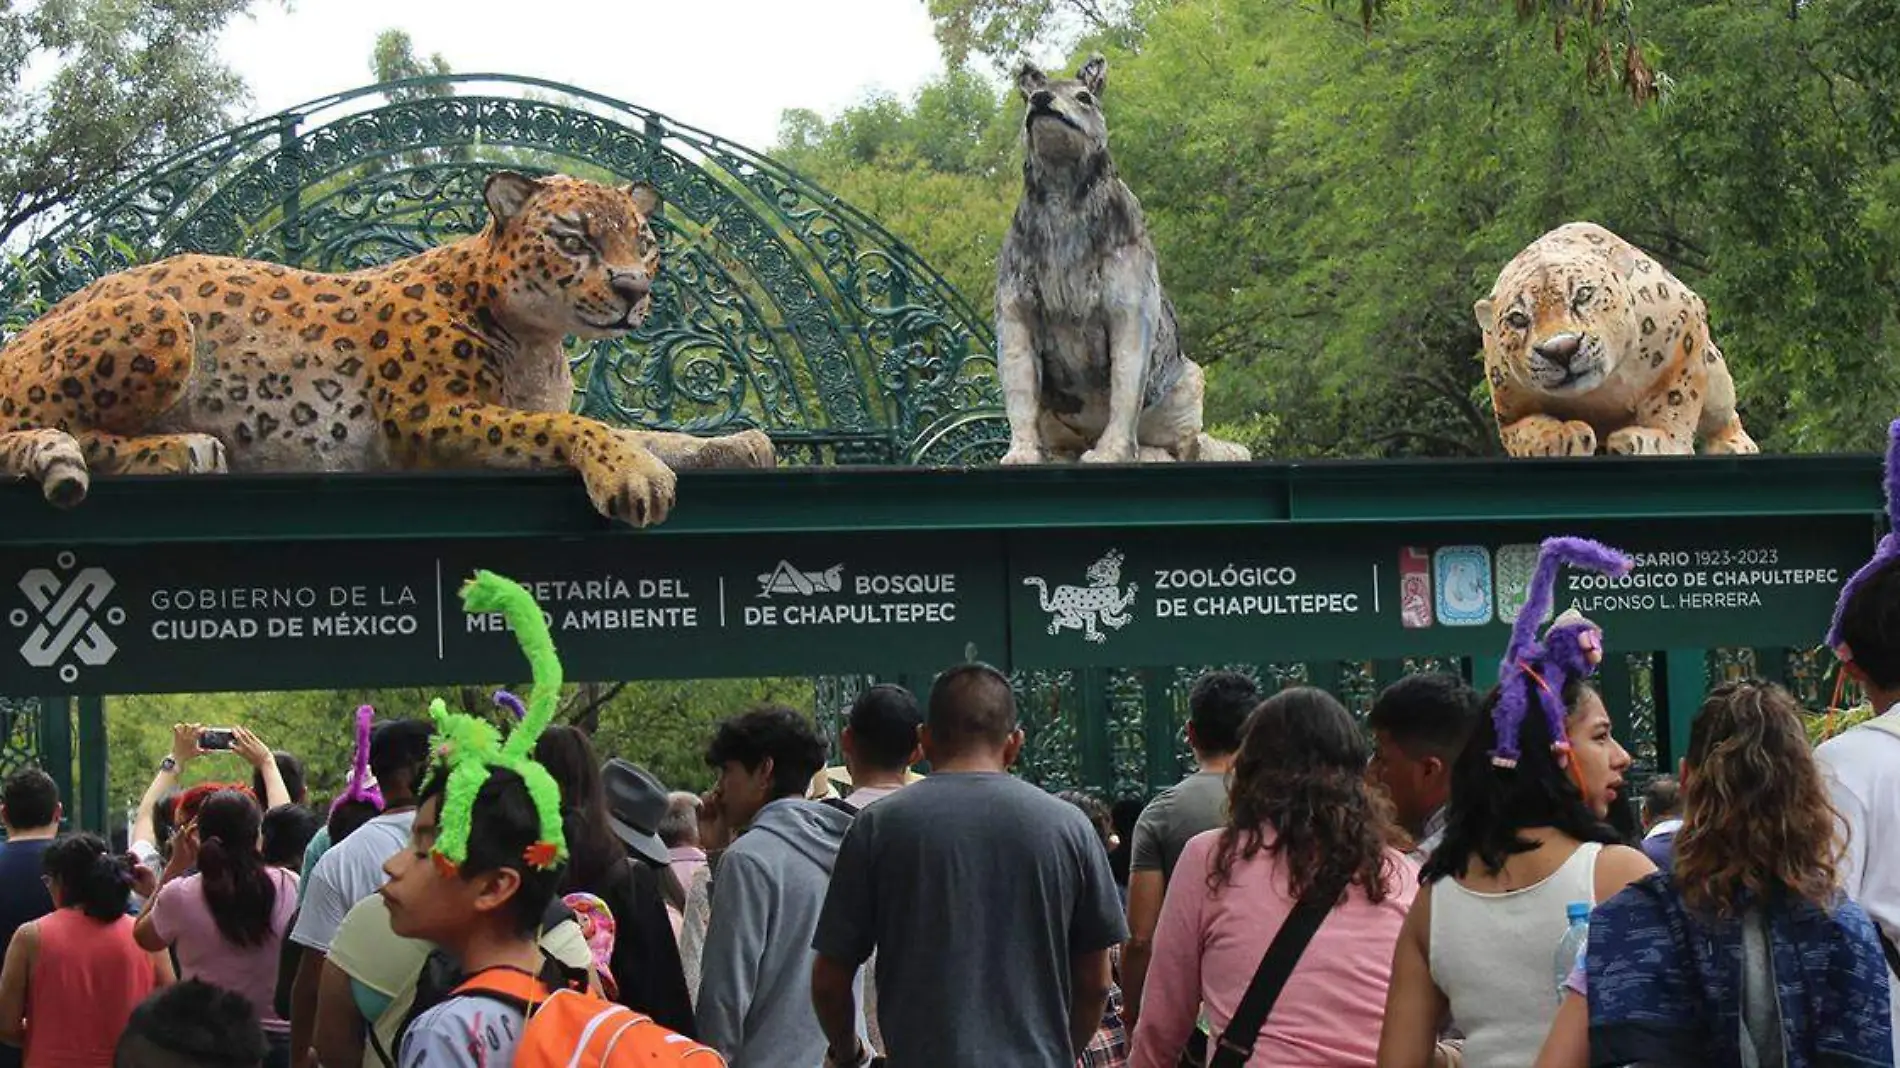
x,y
726,66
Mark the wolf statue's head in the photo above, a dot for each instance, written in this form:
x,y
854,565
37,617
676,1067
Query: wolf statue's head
x,y
1063,123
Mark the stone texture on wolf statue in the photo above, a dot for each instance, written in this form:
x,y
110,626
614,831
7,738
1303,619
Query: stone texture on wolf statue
x,y
449,358
1089,353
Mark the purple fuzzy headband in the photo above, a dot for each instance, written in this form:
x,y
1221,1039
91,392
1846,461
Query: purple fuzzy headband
x,y
360,788
1571,647
1886,552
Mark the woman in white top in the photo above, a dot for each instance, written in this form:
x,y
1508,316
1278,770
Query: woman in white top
x,y
1521,843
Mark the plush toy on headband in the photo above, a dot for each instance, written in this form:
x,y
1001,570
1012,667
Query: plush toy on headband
x,y
1571,649
471,748
1885,553
504,699
362,787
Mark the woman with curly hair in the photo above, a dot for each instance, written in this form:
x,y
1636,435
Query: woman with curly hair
x,y
1302,821
1747,953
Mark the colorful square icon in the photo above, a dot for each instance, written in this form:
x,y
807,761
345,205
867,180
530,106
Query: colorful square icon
x,y
1462,575
1415,588
1516,564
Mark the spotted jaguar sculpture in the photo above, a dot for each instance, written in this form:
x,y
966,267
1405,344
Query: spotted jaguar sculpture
x,y
452,358
1590,345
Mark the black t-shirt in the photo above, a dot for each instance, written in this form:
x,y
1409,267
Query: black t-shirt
x,y
23,899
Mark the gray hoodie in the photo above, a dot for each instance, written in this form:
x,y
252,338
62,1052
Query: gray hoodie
x,y
755,972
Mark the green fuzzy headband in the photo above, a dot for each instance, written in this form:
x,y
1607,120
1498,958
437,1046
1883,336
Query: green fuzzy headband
x,y
470,747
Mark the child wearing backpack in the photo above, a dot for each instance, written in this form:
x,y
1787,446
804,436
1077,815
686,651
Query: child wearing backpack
x,y
477,878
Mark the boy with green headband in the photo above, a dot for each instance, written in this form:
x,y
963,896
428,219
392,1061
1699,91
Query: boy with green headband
x,y
486,912
482,865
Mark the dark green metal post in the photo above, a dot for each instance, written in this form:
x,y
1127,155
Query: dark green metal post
x,y
92,782
1684,682
56,748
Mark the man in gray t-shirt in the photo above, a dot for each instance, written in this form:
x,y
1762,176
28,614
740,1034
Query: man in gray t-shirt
x,y
1218,708
989,903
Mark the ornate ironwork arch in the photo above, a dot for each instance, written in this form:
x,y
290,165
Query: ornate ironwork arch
x,y
780,307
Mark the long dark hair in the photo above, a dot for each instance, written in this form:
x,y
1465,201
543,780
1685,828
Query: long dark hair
x,y
90,877
1490,805
594,855
1300,773
1757,821
237,885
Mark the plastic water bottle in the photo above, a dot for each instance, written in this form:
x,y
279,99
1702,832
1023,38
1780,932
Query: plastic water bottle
x,y
1570,949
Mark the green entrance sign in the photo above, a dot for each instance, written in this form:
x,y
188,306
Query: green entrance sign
x,y
1297,593
114,619
121,618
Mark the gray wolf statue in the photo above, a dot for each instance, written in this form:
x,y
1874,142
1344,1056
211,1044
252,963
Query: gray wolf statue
x,y
1592,346
1088,351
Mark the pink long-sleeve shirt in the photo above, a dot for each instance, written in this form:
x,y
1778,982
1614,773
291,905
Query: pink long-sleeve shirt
x,y
1209,944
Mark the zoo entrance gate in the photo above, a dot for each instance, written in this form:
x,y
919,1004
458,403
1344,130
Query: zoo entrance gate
x,y
1104,591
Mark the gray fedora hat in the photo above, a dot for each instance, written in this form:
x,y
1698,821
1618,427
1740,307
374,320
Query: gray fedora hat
x,y
636,801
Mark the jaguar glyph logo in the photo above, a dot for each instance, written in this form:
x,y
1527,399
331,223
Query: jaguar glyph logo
x,y
1101,603
64,615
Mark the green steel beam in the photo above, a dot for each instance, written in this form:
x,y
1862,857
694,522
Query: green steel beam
x,y
819,500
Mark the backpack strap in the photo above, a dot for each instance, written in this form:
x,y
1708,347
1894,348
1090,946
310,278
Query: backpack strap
x,y
510,986
840,804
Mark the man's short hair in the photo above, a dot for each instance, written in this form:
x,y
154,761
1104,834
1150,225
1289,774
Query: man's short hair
x,y
789,739
884,721
31,798
1662,799
971,704
680,825
1428,714
399,748
291,769
1218,707
287,831
192,1024
1870,626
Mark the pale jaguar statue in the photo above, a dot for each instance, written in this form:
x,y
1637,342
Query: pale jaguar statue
x,y
1590,344
450,358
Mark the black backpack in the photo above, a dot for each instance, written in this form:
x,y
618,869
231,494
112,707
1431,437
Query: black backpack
x,y
441,974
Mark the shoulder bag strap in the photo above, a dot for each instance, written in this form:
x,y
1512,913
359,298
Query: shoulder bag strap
x,y
1887,947
1236,1043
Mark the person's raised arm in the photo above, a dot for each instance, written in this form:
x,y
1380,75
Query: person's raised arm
x,y
184,748
264,762
1413,1003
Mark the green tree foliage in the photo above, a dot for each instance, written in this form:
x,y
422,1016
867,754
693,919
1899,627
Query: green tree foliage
x,y
92,90
394,59
662,726
1329,200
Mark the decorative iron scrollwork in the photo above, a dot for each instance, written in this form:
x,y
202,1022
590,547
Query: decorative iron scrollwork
x,y
780,307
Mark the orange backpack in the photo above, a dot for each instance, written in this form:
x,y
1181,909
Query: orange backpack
x,y
570,1029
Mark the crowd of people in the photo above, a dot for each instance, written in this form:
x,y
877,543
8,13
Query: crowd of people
x,y
1400,893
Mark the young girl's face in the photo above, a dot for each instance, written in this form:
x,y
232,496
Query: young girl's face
x,y
1600,761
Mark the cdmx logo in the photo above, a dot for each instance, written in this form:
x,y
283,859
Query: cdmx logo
x,y
64,615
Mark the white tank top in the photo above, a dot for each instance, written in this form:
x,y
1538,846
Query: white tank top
x,y
1493,955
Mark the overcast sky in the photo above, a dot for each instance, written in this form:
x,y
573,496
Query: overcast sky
x,y
726,66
